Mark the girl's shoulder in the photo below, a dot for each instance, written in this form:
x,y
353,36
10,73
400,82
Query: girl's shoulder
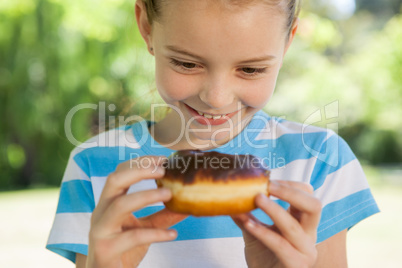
x,y
298,141
107,149
122,136
274,128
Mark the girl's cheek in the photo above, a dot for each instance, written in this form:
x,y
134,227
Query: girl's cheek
x,y
257,94
174,86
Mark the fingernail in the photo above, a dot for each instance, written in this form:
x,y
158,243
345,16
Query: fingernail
x,y
172,233
262,199
165,191
160,170
250,223
262,196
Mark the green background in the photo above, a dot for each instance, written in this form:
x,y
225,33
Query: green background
x,y
57,54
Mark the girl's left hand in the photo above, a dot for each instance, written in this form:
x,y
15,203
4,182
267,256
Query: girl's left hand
x,y
291,240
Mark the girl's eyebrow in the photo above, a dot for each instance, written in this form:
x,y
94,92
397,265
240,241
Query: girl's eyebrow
x,y
184,52
187,53
259,59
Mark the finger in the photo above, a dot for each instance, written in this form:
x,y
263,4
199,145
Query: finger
x,y
143,161
129,173
283,250
140,236
163,219
241,219
288,226
117,212
303,186
308,206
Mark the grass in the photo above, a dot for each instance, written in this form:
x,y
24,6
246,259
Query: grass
x,y
375,242
27,215
26,219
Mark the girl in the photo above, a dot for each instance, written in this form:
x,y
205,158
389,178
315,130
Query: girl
x,y
217,62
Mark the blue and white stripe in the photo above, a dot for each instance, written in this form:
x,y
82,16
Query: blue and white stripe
x,y
291,150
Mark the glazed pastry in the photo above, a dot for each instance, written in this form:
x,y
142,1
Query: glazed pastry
x,y
212,183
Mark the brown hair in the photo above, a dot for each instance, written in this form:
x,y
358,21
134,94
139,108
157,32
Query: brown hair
x,y
290,7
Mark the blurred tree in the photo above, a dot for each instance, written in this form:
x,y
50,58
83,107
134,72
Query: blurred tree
x,y
386,7
361,70
55,55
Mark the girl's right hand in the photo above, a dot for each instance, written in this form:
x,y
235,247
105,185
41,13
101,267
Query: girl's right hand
x,y
117,238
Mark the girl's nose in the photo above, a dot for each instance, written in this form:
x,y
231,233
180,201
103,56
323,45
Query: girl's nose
x,y
217,93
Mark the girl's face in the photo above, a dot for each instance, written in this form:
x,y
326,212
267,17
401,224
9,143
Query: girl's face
x,y
217,61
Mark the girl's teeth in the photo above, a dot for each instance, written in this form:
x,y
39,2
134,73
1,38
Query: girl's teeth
x,y
215,117
208,116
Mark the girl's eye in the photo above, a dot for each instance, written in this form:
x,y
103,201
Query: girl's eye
x,y
183,64
248,70
188,65
253,71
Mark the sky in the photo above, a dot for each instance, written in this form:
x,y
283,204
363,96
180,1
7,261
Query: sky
x,y
340,9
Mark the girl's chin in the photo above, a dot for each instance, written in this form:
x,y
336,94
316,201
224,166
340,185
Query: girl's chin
x,y
206,138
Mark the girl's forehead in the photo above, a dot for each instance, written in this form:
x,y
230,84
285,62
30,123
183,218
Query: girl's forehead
x,y
224,7
186,10
224,3
216,32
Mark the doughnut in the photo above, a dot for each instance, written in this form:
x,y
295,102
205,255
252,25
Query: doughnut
x,y
212,183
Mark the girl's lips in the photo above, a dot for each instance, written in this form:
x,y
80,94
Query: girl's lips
x,y
209,121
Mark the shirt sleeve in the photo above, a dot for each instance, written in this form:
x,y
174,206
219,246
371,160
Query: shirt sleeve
x,y
339,182
69,233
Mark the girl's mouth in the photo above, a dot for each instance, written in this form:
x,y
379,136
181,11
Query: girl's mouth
x,y
209,119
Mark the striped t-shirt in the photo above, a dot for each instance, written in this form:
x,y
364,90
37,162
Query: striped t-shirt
x,y
291,150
